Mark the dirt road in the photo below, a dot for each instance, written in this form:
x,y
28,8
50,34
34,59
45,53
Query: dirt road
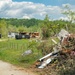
x,y
8,69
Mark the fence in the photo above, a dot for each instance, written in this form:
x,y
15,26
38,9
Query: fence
x,y
19,47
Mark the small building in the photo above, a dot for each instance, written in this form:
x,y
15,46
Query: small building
x,y
26,35
34,34
12,34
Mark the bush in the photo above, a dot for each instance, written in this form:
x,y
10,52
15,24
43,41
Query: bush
x,y
46,47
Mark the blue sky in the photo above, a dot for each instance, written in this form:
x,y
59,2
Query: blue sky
x,y
50,2
34,8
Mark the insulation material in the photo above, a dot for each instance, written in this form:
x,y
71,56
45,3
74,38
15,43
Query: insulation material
x,y
45,56
45,63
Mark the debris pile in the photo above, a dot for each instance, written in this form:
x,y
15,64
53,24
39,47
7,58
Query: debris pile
x,y
62,51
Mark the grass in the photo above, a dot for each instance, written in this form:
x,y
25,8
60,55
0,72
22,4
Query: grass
x,y
11,51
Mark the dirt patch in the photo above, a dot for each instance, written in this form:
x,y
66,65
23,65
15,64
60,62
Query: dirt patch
x,y
9,69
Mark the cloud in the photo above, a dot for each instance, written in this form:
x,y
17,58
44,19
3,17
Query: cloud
x,y
64,18
10,9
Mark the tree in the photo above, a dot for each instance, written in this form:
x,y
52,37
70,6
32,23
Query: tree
x,y
69,13
21,29
45,27
12,28
3,28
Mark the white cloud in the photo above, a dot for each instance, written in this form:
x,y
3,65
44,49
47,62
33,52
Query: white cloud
x,y
64,18
26,17
11,9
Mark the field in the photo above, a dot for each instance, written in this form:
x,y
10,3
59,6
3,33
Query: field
x,y
12,50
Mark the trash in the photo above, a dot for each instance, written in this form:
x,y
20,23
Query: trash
x,y
54,41
46,62
61,57
45,56
62,34
67,46
27,52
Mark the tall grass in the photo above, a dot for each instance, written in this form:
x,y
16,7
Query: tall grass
x,y
12,50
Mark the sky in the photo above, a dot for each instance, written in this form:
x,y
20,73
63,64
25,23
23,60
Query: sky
x,y
50,2
34,8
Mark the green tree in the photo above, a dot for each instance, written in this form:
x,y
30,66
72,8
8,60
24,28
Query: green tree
x,y
12,28
45,27
22,29
3,28
69,13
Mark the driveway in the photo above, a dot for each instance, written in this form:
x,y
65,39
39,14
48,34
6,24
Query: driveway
x,y
9,69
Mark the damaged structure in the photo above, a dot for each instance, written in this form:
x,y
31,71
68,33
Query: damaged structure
x,y
27,35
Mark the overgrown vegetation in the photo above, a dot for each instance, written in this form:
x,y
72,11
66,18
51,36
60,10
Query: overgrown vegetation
x,y
45,27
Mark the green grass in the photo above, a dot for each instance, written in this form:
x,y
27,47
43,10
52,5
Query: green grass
x,y
11,51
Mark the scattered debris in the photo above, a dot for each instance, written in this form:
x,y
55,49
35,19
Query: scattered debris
x,y
27,52
46,62
54,41
62,34
45,56
66,46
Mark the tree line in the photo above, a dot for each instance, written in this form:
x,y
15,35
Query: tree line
x,y
46,27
